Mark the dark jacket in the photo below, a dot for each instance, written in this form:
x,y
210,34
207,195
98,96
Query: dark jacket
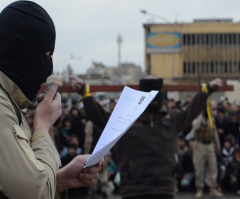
x,y
186,163
233,128
222,124
234,168
146,151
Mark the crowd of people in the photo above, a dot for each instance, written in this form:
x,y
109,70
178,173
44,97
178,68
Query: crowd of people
x,y
226,116
74,134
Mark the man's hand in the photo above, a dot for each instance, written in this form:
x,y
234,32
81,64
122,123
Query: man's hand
x,y
74,175
77,84
216,84
48,110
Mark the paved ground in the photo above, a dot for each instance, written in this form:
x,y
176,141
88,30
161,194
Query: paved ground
x,y
206,195
185,196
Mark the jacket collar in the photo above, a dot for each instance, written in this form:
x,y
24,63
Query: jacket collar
x,y
226,153
14,91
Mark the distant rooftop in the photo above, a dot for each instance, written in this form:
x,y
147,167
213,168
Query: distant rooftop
x,y
127,65
212,20
98,65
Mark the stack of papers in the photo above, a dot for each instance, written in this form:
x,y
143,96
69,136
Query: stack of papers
x,y
130,106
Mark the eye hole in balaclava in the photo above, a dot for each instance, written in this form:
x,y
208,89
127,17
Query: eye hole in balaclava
x,y
27,42
48,55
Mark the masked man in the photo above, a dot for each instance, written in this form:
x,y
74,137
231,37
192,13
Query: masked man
x,y
30,164
146,151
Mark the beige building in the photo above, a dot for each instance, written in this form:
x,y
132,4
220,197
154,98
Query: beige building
x,y
193,52
125,73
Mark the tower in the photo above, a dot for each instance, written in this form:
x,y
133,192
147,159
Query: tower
x,y
119,42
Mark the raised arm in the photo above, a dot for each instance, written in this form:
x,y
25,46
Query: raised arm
x,y
94,111
185,117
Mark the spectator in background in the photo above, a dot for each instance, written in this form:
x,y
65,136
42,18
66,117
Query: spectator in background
x,y
71,154
238,110
237,140
112,105
67,128
235,171
186,167
234,108
165,104
188,98
222,124
112,168
187,101
83,113
228,109
233,127
74,112
178,106
214,107
73,140
66,109
78,125
171,103
60,140
227,152
181,146
102,104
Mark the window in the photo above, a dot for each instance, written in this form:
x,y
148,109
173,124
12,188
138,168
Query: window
x,y
211,39
234,38
221,68
184,41
221,39
184,68
225,68
193,67
203,67
211,67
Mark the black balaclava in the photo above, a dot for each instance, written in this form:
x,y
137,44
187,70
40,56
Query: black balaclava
x,y
27,33
148,85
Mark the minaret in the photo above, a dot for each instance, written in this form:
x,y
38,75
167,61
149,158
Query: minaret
x,y
119,42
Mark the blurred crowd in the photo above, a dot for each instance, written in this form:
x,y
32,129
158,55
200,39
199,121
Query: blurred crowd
x,y
227,117
73,134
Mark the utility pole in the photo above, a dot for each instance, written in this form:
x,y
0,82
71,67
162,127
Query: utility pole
x,y
119,42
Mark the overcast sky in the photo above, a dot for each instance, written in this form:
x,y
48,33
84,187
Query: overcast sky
x,y
89,28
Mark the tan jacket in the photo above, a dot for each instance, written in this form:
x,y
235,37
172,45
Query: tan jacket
x,y
196,124
29,163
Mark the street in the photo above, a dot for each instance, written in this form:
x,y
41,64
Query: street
x,y
188,196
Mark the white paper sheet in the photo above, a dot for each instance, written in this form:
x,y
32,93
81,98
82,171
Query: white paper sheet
x,y
130,106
